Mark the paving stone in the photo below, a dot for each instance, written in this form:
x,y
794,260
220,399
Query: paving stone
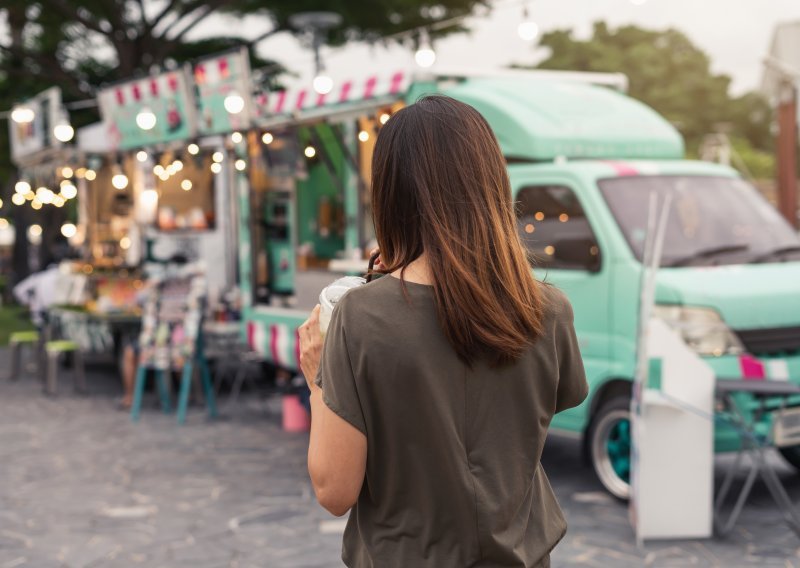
x,y
83,487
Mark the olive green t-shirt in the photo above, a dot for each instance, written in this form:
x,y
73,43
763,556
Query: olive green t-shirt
x,y
453,477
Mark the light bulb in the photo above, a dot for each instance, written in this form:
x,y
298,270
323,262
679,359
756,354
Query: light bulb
x,y
63,131
69,230
217,156
119,181
3,223
216,167
240,165
186,185
193,149
35,231
141,155
236,137
322,84
125,243
90,175
36,204
178,165
528,30
69,191
158,169
146,119
66,172
45,195
234,103
310,151
425,56
17,199
267,138
363,135
58,201
384,118
22,114
22,187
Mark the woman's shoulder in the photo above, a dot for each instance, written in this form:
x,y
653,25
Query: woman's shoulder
x,y
557,305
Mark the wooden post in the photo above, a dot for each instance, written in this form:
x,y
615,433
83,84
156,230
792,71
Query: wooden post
x,y
787,152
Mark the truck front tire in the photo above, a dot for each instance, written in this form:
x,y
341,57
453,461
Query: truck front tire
x,y
609,445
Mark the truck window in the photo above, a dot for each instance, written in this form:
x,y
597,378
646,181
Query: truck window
x,y
554,228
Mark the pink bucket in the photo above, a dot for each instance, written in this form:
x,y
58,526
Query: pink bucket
x,y
295,417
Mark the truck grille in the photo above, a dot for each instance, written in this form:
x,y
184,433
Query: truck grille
x,y
770,340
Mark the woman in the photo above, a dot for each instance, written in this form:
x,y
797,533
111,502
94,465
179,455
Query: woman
x,y
433,393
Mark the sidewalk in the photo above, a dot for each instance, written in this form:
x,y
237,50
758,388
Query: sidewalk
x,y
81,486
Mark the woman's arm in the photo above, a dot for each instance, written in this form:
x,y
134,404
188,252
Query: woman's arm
x,y
337,451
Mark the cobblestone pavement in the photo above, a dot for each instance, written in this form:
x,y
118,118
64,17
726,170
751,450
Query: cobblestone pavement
x,y
81,486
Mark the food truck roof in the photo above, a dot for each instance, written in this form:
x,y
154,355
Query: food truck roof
x,y
540,120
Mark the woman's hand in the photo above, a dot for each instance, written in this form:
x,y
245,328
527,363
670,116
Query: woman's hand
x,y
310,347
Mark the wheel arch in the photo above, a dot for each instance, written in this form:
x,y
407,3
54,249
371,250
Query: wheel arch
x,y
610,389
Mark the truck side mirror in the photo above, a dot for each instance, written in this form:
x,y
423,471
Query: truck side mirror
x,y
578,253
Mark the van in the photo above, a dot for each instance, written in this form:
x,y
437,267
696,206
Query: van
x,y
583,160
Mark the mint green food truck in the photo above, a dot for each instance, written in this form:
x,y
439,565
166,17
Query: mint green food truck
x,y
583,160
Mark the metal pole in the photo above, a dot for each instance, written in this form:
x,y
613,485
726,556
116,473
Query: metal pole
x,y
787,152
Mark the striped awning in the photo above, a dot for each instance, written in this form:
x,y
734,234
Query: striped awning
x,y
346,94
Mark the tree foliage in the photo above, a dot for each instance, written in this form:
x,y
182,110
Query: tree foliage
x,y
672,75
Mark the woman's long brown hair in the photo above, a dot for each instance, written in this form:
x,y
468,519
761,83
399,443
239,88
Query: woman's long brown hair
x,y
440,186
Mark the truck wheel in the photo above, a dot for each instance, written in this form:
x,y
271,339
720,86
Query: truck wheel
x,y
610,445
791,455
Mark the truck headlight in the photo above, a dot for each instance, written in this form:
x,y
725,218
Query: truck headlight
x,y
701,328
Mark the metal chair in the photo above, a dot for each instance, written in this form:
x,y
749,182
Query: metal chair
x,y
19,340
53,352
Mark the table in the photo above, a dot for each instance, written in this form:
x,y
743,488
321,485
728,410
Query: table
x,y
755,446
96,332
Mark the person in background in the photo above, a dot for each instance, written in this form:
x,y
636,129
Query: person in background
x,y
434,388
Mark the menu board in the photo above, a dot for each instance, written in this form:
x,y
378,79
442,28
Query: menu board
x,y
31,137
217,79
166,96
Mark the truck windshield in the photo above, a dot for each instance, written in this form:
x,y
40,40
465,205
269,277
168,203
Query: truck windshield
x,y
712,220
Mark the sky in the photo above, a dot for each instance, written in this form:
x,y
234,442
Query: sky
x,y
735,33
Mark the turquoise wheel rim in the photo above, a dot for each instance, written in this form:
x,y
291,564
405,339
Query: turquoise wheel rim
x,y
618,447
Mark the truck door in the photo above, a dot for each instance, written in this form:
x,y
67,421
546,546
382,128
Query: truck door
x,y
566,251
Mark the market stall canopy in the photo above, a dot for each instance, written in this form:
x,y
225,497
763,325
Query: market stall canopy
x,y
93,139
539,120
783,62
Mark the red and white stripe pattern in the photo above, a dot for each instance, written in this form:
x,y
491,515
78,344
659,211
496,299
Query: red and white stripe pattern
x,y
276,342
305,98
144,89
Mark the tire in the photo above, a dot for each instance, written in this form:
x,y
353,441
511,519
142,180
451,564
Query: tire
x,y
791,455
609,445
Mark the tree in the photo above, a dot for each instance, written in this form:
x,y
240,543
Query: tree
x,y
672,75
81,44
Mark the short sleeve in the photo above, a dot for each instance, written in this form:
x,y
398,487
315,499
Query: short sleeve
x,y
572,385
336,377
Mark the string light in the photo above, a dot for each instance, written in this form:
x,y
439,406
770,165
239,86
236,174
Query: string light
x,y
125,243
384,118
30,196
36,204
563,217
267,138
66,172
22,114
63,130
234,103
119,180
425,56
45,195
310,152
236,137
539,216
240,165
22,187
193,149
80,173
529,228
146,119
90,175
527,29
549,250
178,165
69,191
35,230
141,155
363,135
58,201
186,185
322,83
18,199
217,156
69,230
3,223
216,167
